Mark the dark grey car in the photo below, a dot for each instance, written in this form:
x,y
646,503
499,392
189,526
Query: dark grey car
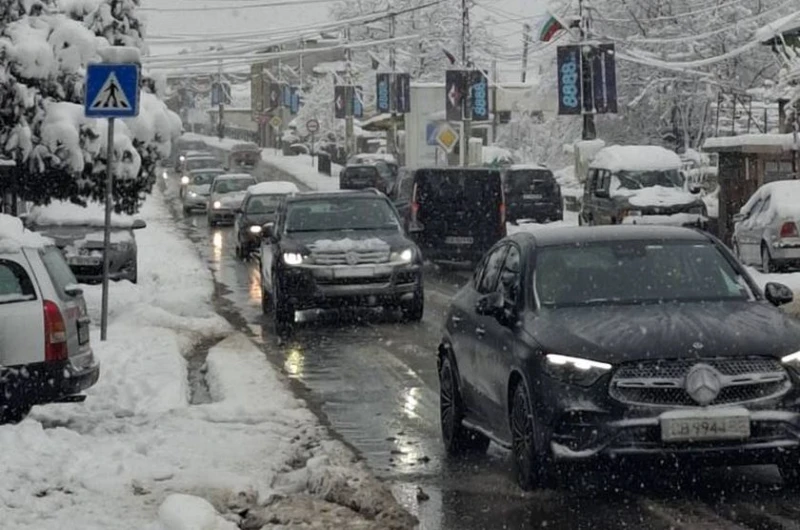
x,y
82,246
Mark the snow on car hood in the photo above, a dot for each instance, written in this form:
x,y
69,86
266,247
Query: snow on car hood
x,y
372,244
627,333
232,200
656,196
200,189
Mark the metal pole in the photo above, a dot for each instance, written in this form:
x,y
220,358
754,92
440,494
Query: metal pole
x,y
107,229
348,105
495,117
589,131
466,109
221,95
391,142
526,39
280,99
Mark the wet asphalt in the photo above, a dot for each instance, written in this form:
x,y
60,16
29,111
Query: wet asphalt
x,y
372,379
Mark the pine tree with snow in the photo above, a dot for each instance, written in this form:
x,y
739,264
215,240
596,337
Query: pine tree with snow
x,y
60,153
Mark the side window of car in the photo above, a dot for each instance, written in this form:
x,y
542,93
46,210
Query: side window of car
x,y
763,212
406,187
15,284
494,263
58,270
510,276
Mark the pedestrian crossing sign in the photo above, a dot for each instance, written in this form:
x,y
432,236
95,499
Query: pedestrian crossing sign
x,y
112,91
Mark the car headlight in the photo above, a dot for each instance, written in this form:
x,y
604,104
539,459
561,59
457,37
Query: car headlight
x,y
793,360
165,175
192,194
217,205
292,258
184,180
182,158
406,256
255,229
575,370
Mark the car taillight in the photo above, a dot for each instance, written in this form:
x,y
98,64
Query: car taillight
x,y
503,214
55,333
789,229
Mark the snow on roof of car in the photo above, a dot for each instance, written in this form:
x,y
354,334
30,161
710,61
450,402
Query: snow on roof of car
x,y
235,176
67,214
272,188
522,167
14,236
636,158
784,197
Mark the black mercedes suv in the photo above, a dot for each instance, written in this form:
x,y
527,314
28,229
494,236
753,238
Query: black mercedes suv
x,y
620,343
327,250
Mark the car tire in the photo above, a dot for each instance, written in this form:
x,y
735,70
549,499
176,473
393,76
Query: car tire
x,y
14,414
187,210
266,303
767,265
282,309
414,310
531,464
458,440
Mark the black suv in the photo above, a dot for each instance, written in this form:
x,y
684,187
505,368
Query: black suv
x,y
608,343
452,213
532,192
364,176
326,250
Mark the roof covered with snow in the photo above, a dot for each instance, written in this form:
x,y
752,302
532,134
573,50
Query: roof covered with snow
x,y
235,176
68,214
636,158
784,142
273,188
528,167
14,236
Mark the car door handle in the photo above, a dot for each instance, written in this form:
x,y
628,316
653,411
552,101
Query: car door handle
x,y
480,331
456,320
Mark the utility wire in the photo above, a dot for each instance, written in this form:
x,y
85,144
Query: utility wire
x,y
278,3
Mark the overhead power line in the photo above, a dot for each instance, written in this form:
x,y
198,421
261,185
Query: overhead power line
x,y
277,3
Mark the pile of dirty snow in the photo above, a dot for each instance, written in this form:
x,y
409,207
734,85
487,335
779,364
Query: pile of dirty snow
x,y
13,235
62,213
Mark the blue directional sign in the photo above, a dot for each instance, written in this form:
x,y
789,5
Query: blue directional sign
x,y
112,91
430,133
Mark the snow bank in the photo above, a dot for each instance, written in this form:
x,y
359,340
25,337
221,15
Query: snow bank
x,y
61,213
13,235
372,244
636,158
187,512
274,187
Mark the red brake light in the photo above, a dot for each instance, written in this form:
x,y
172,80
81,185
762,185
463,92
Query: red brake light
x,y
414,205
55,333
789,229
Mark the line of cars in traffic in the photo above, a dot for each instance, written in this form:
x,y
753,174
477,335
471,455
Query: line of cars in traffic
x,y
582,345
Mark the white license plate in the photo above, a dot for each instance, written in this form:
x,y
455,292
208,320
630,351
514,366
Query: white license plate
x,y
83,260
697,426
532,196
83,333
354,272
455,240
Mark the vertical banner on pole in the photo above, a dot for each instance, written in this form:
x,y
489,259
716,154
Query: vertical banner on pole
x,y
569,79
339,102
383,96
286,96
455,91
402,93
604,79
274,96
358,101
294,106
479,87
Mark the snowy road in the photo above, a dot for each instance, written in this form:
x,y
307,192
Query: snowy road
x,y
373,380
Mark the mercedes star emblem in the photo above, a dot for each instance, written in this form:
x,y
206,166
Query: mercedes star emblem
x,y
703,384
351,258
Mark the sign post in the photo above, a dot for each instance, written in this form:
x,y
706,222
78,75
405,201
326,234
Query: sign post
x,y
112,91
312,126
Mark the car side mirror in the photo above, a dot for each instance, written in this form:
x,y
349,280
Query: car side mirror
x,y
601,193
239,211
695,188
268,231
778,294
226,168
138,224
494,305
738,217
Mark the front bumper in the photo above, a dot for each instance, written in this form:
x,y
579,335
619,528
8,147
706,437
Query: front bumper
x,y
94,273
687,220
310,286
198,202
539,212
40,383
586,425
221,215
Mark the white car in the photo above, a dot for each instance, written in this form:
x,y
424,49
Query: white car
x,y
766,230
227,193
45,355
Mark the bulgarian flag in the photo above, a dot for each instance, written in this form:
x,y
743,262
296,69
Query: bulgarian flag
x,y
552,25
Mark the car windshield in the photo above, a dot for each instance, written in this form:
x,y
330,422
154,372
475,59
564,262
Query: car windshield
x,y
198,163
202,179
233,185
636,180
525,180
635,272
341,213
362,172
263,204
